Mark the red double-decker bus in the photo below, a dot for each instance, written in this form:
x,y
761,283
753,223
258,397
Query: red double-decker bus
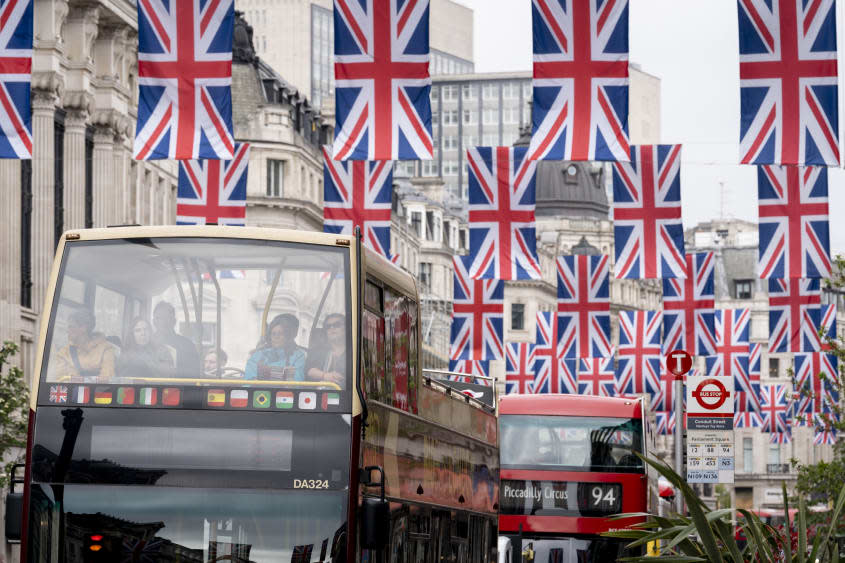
x,y
568,465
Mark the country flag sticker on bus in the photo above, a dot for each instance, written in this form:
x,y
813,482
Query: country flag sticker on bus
x,y
330,400
216,398
125,395
171,397
308,400
261,399
58,394
148,396
102,396
284,399
82,395
238,398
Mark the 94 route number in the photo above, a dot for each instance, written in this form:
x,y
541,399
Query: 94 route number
x,y
310,484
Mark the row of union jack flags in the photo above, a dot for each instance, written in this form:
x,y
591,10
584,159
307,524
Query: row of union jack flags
x,y
788,80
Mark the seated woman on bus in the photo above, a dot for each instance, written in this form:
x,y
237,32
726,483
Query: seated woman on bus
x,y
278,356
88,355
143,357
328,362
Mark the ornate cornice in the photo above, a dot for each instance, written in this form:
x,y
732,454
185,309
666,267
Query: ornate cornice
x,y
78,102
47,89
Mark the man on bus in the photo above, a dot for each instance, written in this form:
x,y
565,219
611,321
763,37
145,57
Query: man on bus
x,y
87,355
328,363
187,358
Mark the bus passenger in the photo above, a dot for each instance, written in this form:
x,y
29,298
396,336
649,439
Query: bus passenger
x,y
187,357
328,363
212,364
141,357
87,355
278,356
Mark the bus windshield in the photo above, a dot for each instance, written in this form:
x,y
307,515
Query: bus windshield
x,y
571,443
196,310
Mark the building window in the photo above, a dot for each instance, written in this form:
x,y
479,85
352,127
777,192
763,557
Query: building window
x,y
774,367
425,276
275,177
450,92
748,455
322,58
774,458
742,289
450,143
490,91
470,117
89,177
490,139
491,116
429,225
416,222
463,238
450,117
517,316
470,91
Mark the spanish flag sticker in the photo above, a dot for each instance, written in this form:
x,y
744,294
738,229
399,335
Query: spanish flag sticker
x,y
216,398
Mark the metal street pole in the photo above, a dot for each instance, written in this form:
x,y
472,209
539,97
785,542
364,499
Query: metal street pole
x,y
679,440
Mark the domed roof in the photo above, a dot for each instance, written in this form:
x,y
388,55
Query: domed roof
x,y
568,189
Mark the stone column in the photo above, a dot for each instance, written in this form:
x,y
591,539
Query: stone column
x,y
103,163
45,95
10,231
76,120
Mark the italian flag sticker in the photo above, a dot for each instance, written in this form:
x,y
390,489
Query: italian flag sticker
x,y
147,396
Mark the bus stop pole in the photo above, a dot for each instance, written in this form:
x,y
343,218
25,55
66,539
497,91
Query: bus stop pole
x,y
679,440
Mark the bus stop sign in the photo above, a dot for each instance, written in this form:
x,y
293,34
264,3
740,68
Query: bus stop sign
x,y
678,362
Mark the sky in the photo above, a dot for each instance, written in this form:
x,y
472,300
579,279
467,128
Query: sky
x,y
692,46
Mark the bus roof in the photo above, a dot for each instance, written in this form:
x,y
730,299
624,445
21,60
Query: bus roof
x,y
571,405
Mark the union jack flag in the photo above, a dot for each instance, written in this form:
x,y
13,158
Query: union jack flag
x,y
358,194
58,394
478,316
382,83
780,437
185,80
788,82
824,436
794,315
213,192
689,317
583,307
472,368
664,399
551,370
827,327
142,550
580,100
747,401
816,374
649,236
774,405
794,227
665,422
502,239
15,79
747,419
638,370
755,350
731,344
519,367
596,377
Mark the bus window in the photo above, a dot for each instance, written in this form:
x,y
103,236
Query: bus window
x,y
373,356
135,311
413,367
571,443
398,332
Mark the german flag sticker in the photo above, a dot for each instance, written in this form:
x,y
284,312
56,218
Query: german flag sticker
x,y
261,399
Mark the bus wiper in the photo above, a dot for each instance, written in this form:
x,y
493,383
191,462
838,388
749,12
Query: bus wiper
x,y
143,241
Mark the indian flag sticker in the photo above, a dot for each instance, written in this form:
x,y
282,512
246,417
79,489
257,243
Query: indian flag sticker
x,y
330,400
284,400
308,400
148,396
261,399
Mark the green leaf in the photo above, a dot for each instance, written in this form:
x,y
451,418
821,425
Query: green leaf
x,y
787,542
802,529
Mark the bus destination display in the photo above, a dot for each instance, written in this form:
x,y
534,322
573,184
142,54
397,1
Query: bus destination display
x,y
560,498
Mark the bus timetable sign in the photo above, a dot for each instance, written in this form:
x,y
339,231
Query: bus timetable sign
x,y
710,437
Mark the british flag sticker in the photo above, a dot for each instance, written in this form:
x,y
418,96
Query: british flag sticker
x,y
58,394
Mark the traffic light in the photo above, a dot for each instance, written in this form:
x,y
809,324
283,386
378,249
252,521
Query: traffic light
x,y
96,549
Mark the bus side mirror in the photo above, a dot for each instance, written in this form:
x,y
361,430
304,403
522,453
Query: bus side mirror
x,y
375,513
14,508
